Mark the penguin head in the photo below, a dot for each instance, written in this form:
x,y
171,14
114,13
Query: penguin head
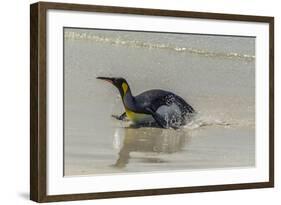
x,y
120,83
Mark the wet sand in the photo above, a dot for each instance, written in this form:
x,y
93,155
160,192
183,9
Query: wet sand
x,y
153,149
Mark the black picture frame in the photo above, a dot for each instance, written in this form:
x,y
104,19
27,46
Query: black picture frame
x,y
38,100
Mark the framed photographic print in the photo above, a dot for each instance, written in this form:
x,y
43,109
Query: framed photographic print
x,y
133,102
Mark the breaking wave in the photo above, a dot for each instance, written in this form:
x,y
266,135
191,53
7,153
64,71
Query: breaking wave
x,y
71,35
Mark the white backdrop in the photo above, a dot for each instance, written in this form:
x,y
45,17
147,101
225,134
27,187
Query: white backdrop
x,y
14,103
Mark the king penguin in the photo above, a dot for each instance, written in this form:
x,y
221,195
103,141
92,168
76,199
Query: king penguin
x,y
165,108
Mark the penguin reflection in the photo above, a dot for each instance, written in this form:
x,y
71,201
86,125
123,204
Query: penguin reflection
x,y
149,140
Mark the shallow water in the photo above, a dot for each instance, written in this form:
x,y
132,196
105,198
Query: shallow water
x,y
215,74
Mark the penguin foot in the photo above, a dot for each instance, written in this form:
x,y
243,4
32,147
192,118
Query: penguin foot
x,y
121,117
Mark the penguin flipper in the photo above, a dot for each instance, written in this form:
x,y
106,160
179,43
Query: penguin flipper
x,y
158,118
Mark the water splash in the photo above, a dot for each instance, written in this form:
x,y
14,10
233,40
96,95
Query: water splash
x,y
83,36
201,121
198,123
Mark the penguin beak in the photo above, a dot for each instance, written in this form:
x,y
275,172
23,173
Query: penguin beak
x,y
106,79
